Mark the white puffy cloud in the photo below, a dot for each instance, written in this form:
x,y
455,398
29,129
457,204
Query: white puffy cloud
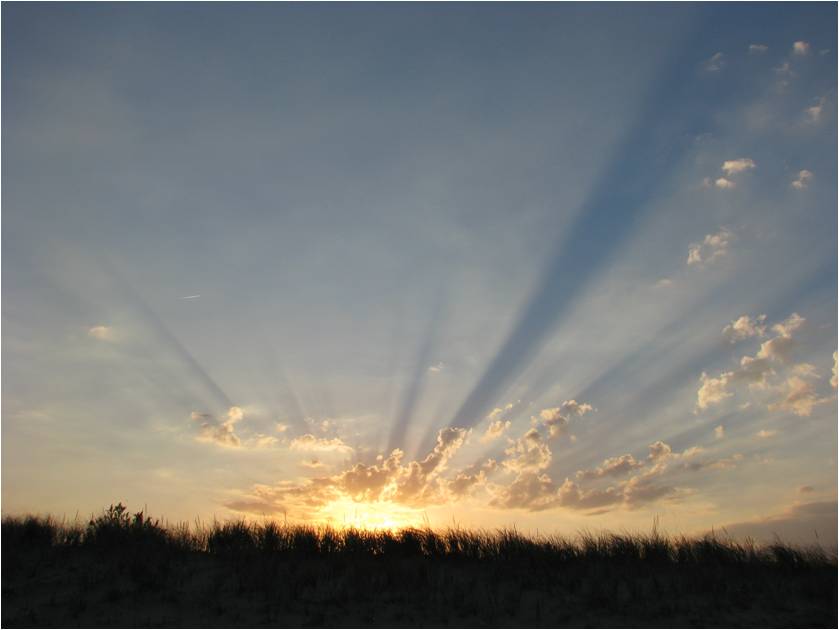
x,y
220,431
712,247
799,397
312,443
557,419
744,327
740,165
802,180
800,48
611,467
724,184
528,453
495,430
754,370
712,390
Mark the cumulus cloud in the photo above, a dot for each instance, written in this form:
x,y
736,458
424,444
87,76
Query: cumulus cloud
x,y
802,180
219,430
744,327
799,397
416,483
740,165
262,441
715,63
800,48
712,247
712,390
102,333
466,480
309,442
611,467
813,114
557,419
495,430
757,49
724,184
528,453
534,490
753,370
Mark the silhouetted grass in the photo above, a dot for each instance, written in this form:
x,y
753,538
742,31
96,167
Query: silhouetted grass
x,y
240,573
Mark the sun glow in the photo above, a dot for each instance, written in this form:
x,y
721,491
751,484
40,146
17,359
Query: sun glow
x,y
345,513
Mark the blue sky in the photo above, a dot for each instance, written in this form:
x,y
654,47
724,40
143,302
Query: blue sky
x,y
250,250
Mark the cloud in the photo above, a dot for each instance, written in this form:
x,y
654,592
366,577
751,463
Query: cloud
x,y
724,184
712,390
740,165
495,430
715,63
557,419
806,489
663,283
833,378
753,370
437,367
765,434
534,490
744,327
313,463
312,443
757,49
799,397
219,431
280,427
719,432
466,480
712,247
799,523
800,48
803,180
417,483
262,441
102,333
611,467
814,112
528,453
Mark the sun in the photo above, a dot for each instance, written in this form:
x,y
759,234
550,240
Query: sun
x,y
346,513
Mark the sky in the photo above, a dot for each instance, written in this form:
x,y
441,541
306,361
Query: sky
x,y
558,266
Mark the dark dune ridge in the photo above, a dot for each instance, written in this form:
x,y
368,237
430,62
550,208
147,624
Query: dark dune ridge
x,y
126,570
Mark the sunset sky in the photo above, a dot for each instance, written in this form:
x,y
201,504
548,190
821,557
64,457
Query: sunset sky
x,y
557,266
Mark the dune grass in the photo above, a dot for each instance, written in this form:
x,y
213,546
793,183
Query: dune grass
x,y
240,573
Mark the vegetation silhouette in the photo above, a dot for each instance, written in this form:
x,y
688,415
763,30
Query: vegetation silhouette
x,y
127,569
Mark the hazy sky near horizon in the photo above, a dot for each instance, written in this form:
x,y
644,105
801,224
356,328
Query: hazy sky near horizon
x,y
557,265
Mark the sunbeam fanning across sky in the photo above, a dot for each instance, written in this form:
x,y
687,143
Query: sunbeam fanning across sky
x,y
558,266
